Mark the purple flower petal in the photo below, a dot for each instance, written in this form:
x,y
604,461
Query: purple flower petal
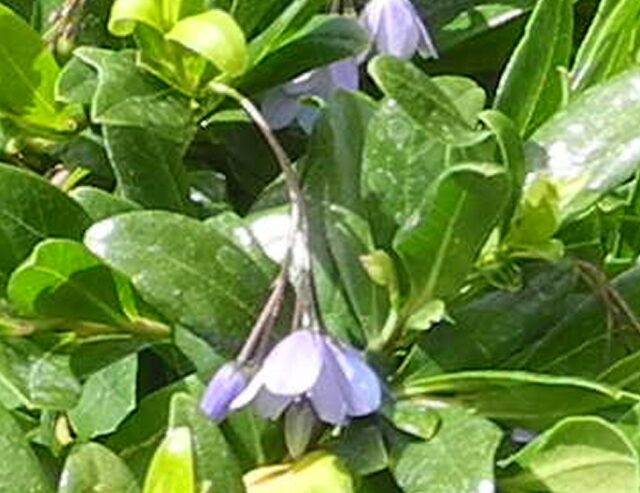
x,y
365,393
396,28
345,74
279,109
223,388
251,391
328,394
398,33
294,365
426,47
270,406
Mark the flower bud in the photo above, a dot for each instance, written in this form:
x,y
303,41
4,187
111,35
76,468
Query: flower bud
x,y
223,388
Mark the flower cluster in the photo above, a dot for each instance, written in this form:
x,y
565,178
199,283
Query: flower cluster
x,y
395,29
306,366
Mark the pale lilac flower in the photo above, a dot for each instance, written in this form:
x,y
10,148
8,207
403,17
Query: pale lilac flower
x,y
282,105
397,29
228,382
311,367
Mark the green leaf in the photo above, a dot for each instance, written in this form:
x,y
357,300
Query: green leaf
x,y
77,83
323,40
523,399
414,419
315,472
459,458
624,373
297,12
254,16
125,94
140,156
171,469
458,21
332,174
585,157
62,279
137,438
512,154
583,342
442,239
19,466
423,100
189,272
577,455
125,14
215,466
114,387
28,74
147,128
93,467
361,447
34,377
530,89
398,150
31,210
490,329
216,36
610,45
255,441
100,204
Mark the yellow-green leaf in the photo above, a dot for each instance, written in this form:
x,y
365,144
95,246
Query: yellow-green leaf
x,y
171,468
317,472
216,36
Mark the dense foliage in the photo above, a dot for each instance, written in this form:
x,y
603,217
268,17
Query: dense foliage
x,y
473,217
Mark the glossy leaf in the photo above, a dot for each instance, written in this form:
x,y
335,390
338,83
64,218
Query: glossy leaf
x,y
576,456
610,44
192,274
490,329
157,14
139,435
530,400
216,36
420,465
583,156
332,175
323,40
458,21
398,150
441,241
34,377
28,73
147,128
172,466
63,279
530,89
315,472
215,465
423,100
114,387
583,342
512,154
100,204
20,469
31,210
93,467
297,12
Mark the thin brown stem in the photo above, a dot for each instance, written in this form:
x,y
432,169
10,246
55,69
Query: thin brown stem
x,y
300,267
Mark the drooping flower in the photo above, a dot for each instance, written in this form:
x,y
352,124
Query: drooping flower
x,y
397,29
228,382
282,105
308,366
